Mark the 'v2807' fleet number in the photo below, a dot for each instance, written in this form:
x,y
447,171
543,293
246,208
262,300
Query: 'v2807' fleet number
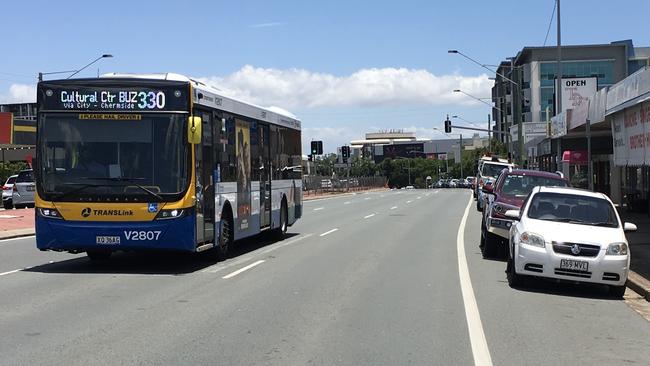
x,y
141,235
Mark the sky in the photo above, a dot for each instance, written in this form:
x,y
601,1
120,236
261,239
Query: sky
x,y
344,68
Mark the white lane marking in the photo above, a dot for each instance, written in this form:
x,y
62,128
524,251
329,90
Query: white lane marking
x,y
233,274
284,244
328,232
436,192
383,195
18,238
428,194
369,216
319,208
10,272
409,201
346,202
419,197
223,266
480,349
367,198
394,207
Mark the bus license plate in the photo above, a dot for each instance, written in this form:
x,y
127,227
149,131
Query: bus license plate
x,y
574,265
108,239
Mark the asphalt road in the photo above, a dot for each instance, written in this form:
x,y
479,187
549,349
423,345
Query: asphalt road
x,y
367,279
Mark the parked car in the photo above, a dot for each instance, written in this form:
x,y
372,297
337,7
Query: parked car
x,y
508,193
488,172
569,234
7,192
453,183
23,189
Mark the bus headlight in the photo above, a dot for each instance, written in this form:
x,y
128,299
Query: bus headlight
x,y
170,214
50,213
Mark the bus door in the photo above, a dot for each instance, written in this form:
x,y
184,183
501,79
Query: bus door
x,y
204,183
265,175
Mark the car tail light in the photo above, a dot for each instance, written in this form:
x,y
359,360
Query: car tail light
x,y
6,188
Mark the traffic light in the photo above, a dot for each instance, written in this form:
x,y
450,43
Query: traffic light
x,y
317,147
345,151
447,125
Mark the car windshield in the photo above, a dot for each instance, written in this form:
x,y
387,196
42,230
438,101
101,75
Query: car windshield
x,y
25,177
97,159
521,185
492,170
577,209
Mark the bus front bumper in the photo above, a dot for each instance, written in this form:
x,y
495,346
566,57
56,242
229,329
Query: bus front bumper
x,y
79,236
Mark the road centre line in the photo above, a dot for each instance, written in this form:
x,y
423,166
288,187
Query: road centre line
x,y
369,216
394,207
368,198
419,197
233,274
222,266
328,232
346,202
15,271
480,349
409,201
318,208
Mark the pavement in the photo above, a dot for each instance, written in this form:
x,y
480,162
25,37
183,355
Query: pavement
x,y
639,279
379,278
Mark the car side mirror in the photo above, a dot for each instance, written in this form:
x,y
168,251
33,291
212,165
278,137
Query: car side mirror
x,y
513,214
628,226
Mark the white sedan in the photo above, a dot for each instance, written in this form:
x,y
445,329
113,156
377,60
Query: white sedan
x,y
569,234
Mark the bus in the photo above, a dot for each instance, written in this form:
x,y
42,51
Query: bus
x,y
160,162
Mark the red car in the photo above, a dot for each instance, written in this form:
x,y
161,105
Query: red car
x,y
508,193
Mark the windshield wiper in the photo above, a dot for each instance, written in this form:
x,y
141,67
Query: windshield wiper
x,y
129,180
604,224
84,186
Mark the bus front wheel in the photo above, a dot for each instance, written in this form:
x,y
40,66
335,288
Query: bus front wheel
x,y
225,232
282,229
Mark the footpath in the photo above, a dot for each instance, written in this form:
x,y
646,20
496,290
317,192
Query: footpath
x,y
639,277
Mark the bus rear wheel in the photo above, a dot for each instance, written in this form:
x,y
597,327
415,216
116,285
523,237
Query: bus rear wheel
x,y
225,238
98,255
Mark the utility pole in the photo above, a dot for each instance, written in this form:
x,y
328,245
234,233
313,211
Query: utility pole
x,y
489,138
558,92
460,158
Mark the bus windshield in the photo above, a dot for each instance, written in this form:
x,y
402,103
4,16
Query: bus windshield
x,y
112,157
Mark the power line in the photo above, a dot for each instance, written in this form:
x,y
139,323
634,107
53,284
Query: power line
x,y
550,22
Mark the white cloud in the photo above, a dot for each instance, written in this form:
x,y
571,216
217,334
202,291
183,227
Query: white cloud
x,y
332,137
19,93
300,88
266,25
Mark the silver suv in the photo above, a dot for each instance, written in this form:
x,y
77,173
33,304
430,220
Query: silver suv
x,y
23,190
7,192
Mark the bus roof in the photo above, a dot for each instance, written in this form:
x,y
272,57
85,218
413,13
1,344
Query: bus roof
x,y
214,97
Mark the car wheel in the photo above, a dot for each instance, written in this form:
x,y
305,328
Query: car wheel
x,y
7,205
482,243
280,232
617,291
489,244
514,279
98,255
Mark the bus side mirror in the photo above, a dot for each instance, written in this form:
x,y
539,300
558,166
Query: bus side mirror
x,y
194,124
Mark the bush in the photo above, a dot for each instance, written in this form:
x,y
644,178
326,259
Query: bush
x,y
7,169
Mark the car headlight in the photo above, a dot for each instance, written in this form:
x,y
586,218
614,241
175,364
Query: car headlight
x,y
532,239
170,214
50,213
617,249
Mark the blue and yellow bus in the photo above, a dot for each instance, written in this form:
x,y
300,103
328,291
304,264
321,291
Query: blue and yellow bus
x,y
160,162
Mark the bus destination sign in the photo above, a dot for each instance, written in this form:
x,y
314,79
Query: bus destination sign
x,y
74,98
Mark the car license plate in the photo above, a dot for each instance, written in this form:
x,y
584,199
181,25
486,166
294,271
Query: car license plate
x,y
108,239
30,188
574,265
